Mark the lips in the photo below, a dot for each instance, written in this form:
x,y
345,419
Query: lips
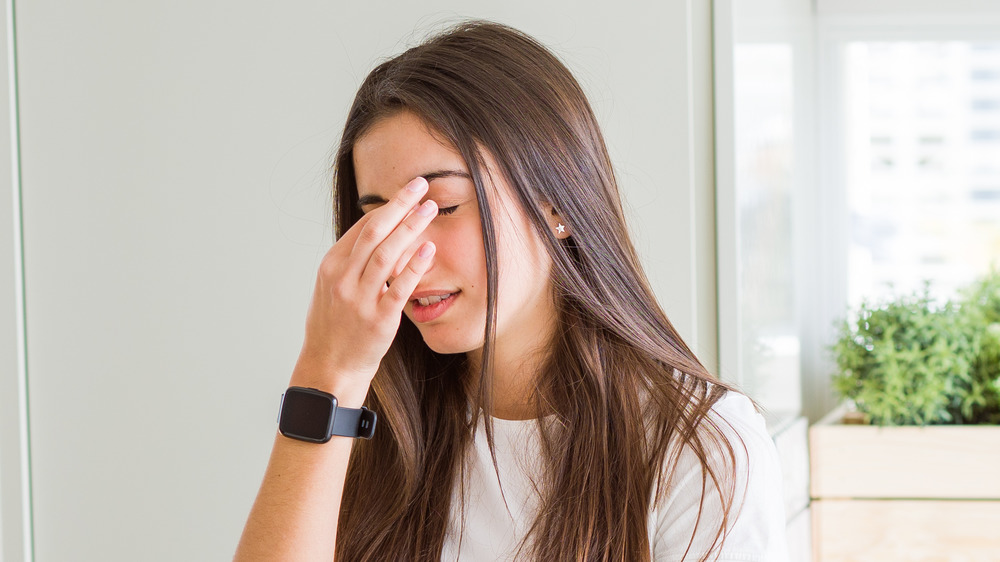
x,y
430,305
433,299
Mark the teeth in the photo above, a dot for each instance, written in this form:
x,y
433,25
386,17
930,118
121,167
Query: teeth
x,y
427,301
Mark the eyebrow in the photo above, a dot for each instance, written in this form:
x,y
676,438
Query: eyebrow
x,y
429,176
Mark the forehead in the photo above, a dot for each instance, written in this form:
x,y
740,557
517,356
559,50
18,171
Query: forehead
x,y
397,149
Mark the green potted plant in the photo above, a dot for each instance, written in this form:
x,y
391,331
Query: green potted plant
x,y
907,362
906,469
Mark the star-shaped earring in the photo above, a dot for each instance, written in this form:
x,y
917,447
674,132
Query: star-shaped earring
x,y
560,229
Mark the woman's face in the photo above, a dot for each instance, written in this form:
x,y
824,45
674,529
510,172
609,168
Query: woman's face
x,y
399,148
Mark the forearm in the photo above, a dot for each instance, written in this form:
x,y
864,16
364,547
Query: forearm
x,y
295,514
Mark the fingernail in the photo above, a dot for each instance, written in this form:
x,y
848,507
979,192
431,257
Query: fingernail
x,y
427,209
417,184
426,250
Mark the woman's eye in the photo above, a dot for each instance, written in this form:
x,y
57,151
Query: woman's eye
x,y
447,210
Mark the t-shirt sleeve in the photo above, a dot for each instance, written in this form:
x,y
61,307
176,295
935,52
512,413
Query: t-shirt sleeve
x,y
756,525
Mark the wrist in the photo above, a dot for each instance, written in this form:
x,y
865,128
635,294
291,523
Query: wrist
x,y
350,392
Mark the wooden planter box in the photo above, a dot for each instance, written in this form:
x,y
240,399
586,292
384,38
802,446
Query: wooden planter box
x,y
904,493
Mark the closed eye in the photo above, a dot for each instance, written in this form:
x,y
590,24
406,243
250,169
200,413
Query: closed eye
x,y
447,210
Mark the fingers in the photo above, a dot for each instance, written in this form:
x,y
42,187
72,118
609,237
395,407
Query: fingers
x,y
385,257
346,242
395,297
408,253
349,238
403,260
386,218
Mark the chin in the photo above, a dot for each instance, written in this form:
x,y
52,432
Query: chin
x,y
449,338
450,344
446,347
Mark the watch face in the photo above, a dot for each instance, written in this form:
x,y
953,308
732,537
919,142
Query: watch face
x,y
307,414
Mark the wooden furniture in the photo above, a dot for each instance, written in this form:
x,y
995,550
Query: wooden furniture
x,y
904,493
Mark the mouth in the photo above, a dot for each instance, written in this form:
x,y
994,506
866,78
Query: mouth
x,y
433,299
430,307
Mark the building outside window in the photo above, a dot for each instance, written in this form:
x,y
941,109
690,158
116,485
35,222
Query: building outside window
x,y
922,158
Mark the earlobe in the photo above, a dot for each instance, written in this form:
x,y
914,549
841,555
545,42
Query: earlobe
x,y
559,228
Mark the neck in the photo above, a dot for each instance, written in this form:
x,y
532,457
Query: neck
x,y
514,374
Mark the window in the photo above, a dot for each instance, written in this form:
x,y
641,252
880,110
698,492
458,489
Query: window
x,y
858,155
918,174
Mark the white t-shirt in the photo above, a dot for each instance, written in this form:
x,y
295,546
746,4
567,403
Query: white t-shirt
x,y
491,532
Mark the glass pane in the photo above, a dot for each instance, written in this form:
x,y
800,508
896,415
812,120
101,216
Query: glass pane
x,y
923,165
764,143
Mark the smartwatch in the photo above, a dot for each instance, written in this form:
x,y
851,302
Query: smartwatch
x,y
312,415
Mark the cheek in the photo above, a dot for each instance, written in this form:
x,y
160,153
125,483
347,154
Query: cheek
x,y
520,249
524,264
460,250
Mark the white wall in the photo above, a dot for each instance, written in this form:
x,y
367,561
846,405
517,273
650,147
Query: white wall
x,y
175,176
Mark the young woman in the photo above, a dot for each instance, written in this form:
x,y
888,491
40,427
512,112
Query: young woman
x,y
484,300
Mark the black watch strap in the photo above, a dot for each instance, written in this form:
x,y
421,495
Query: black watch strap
x,y
354,422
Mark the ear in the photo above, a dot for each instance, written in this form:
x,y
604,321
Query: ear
x,y
559,227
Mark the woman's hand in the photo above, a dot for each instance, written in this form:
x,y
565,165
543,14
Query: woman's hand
x,y
354,314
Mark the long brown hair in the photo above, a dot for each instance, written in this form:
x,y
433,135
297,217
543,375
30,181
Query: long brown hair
x,y
621,385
